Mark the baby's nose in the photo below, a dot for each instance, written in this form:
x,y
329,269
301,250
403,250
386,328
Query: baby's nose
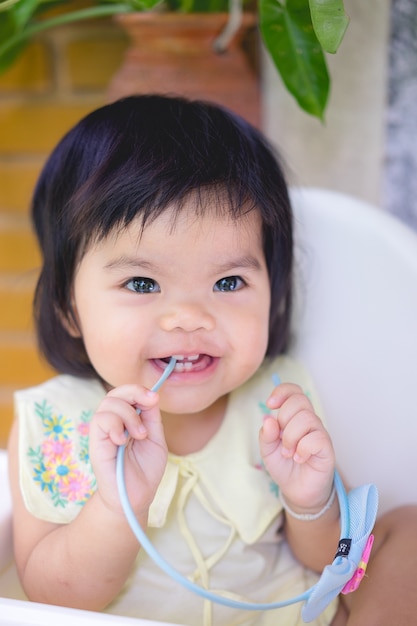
x,y
188,317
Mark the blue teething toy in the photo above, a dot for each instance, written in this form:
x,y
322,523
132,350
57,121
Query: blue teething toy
x,y
358,511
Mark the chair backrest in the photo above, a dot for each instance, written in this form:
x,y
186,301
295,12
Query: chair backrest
x,y
355,329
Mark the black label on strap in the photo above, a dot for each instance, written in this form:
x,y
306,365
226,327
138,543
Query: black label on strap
x,y
343,547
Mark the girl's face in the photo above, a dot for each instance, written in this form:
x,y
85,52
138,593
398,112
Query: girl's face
x,y
193,286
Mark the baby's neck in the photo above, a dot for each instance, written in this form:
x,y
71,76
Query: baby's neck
x,y
188,433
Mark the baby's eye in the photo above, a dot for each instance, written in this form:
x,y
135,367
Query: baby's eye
x,y
229,283
143,285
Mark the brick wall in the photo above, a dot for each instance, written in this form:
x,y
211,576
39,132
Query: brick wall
x,y
61,77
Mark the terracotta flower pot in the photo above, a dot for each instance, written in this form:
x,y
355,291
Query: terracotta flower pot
x,y
173,53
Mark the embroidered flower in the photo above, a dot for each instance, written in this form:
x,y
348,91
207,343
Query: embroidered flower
x,y
57,426
273,487
266,411
44,477
53,448
77,488
84,429
62,468
61,464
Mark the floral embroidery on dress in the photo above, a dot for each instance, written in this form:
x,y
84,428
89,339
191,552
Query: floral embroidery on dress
x,y
273,487
59,469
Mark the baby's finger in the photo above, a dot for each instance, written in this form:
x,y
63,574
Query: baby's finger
x,y
295,403
282,393
148,421
108,426
313,445
270,430
269,436
295,425
135,395
115,416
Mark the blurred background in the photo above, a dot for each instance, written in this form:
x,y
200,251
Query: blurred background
x,y
366,146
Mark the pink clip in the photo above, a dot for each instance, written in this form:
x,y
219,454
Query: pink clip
x,y
356,579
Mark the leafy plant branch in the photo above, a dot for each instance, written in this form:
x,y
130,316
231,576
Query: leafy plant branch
x,y
296,33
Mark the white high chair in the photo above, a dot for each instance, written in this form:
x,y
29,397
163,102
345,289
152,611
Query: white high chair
x,y
354,329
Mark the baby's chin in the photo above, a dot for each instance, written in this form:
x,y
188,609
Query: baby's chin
x,y
192,407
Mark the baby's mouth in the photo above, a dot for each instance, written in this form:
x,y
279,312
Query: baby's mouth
x,y
191,362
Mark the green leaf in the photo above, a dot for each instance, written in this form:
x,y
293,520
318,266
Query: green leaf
x,y
135,5
330,22
12,23
7,30
198,6
23,11
5,5
16,29
290,39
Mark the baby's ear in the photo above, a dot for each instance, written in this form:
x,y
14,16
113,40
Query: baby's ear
x,y
71,327
69,321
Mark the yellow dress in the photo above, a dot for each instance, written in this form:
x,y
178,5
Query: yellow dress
x,y
216,516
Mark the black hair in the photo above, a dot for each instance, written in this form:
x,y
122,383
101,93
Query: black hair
x,y
135,157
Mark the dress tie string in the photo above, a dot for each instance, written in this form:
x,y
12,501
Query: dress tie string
x,y
191,478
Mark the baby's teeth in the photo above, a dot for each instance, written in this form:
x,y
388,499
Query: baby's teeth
x,y
183,365
181,357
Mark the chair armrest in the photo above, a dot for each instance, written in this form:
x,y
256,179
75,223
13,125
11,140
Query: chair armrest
x,y
18,613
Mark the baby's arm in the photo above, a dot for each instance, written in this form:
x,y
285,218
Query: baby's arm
x,y
85,563
298,454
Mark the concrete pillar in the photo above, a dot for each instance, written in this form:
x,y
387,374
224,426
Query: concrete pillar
x,y
400,179
346,153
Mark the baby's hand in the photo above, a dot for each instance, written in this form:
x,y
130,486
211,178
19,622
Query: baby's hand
x,y
146,449
296,449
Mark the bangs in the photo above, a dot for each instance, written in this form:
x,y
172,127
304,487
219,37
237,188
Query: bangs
x,y
93,223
